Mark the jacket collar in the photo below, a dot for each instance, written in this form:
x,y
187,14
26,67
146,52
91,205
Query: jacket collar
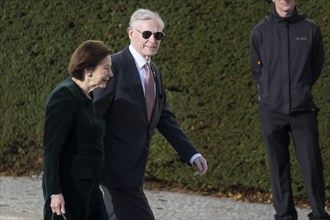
x,y
295,17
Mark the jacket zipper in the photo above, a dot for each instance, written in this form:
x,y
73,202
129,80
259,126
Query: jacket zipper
x,y
289,69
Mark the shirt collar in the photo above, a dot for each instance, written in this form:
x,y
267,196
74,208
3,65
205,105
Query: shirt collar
x,y
139,60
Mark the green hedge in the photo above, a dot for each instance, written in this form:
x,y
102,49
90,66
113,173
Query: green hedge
x,y
204,61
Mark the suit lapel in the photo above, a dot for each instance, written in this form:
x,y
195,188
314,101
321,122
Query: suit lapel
x,y
159,94
157,77
134,79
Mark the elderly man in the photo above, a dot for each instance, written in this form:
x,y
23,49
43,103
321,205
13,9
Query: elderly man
x,y
133,105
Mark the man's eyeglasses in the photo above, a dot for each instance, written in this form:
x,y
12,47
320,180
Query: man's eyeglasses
x,y
147,34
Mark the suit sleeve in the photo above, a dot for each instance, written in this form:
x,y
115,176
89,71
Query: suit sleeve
x,y
255,59
174,134
317,55
59,115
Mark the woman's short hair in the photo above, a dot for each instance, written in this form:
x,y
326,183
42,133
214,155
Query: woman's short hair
x,y
87,55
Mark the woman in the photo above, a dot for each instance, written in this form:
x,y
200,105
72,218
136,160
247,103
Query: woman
x,y
73,133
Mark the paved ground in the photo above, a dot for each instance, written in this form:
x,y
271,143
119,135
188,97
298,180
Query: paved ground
x,y
21,199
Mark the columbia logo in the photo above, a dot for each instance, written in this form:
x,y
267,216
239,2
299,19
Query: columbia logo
x,y
301,38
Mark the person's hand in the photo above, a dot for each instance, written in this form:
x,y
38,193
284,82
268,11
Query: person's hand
x,y
201,166
57,204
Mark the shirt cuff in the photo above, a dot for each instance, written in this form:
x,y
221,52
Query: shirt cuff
x,y
191,161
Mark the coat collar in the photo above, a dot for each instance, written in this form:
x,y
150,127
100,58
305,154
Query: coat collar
x,y
295,17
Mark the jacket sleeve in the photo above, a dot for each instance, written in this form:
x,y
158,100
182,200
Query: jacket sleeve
x,y
255,59
59,115
174,134
317,55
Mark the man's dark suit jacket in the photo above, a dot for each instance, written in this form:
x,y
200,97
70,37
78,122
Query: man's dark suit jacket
x,y
128,132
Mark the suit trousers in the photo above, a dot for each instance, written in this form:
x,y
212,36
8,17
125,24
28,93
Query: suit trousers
x,y
303,129
126,203
83,201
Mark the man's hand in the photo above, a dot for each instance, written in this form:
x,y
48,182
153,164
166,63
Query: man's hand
x,y
57,204
201,166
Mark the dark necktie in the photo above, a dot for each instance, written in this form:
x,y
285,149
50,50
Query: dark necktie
x,y
149,90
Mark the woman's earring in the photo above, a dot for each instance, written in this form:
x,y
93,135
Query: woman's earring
x,y
89,74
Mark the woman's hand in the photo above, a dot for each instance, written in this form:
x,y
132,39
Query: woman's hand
x,y
57,204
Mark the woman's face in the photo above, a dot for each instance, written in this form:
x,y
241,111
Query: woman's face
x,y
102,73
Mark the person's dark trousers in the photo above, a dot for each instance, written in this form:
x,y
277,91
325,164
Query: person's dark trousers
x,y
127,203
303,129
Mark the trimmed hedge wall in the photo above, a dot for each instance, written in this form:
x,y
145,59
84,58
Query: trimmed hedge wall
x,y
205,65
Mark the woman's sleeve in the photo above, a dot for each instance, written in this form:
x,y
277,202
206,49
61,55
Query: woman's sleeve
x,y
59,115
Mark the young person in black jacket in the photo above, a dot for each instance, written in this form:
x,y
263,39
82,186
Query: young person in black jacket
x,y
286,58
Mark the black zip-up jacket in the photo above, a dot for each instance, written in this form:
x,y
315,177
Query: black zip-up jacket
x,y
286,58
